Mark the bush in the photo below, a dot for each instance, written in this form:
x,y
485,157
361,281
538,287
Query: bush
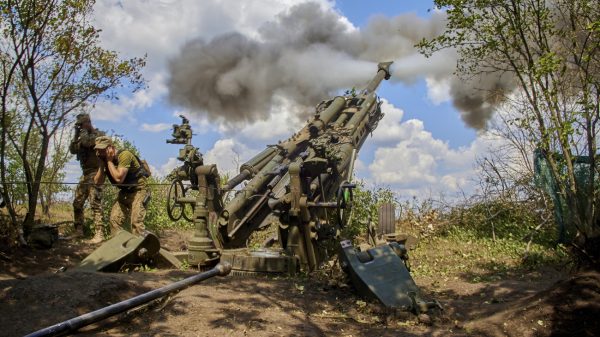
x,y
156,215
365,208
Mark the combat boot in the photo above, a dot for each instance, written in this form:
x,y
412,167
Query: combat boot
x,y
98,236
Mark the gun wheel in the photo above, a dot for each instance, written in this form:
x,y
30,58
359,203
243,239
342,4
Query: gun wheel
x,y
175,209
344,203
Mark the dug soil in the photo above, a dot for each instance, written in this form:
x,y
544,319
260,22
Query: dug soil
x,y
39,288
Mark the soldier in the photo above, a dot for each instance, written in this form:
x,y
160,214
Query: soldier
x,y
82,145
125,171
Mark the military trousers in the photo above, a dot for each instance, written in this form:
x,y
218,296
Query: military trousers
x,y
87,190
129,206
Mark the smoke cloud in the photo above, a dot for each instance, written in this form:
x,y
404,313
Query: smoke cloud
x,y
476,98
308,53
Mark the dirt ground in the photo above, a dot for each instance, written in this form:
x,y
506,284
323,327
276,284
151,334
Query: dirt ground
x,y
35,293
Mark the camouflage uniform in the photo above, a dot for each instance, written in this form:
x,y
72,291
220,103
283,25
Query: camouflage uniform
x,y
82,145
133,191
87,190
129,205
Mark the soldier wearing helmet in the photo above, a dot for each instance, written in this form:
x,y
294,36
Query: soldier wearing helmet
x,y
82,145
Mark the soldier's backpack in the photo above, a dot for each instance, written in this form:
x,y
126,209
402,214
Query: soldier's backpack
x,y
144,167
144,170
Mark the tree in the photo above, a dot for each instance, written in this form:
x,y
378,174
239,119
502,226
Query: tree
x,y
52,66
550,49
54,173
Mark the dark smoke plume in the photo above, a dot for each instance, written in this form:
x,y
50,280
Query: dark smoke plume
x,y
306,54
476,98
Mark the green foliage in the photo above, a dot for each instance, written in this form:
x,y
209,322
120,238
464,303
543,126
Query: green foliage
x,y
14,173
481,241
464,253
365,207
52,67
554,66
185,266
497,218
487,241
156,216
54,173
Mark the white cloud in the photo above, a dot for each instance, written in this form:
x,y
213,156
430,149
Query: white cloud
x,y
438,91
453,183
166,168
389,128
126,106
159,28
229,154
110,111
404,164
155,127
412,162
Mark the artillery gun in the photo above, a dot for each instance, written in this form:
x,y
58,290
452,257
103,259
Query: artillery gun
x,y
300,185
302,188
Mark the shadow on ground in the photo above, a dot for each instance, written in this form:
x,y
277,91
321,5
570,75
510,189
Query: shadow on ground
x,y
521,303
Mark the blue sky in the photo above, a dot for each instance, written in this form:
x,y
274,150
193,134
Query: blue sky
x,y
421,147
442,120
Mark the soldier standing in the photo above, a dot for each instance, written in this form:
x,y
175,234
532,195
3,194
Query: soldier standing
x,y
127,172
82,145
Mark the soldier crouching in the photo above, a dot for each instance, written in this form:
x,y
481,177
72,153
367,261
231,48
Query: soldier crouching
x,y
125,171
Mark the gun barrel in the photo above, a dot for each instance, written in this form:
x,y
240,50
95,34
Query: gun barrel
x,y
233,182
260,160
334,108
360,115
73,324
253,187
251,167
382,73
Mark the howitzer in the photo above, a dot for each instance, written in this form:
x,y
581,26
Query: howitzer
x,y
297,185
301,187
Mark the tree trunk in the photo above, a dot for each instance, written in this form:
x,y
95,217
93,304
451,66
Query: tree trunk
x,y
34,189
